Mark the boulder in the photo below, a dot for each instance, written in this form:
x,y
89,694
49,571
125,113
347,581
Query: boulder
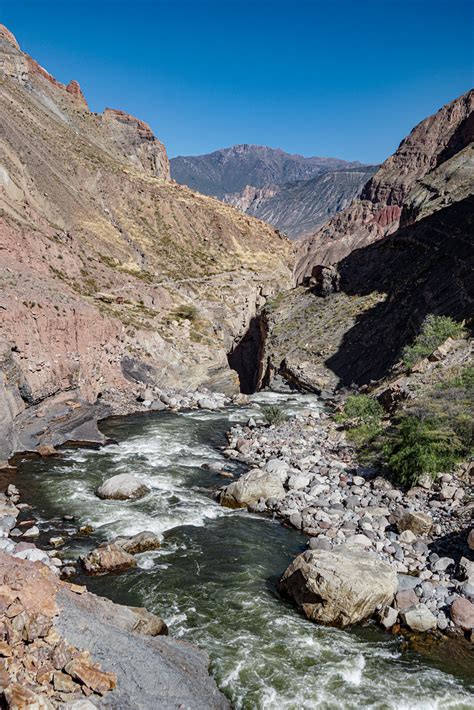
x,y
123,486
339,587
141,542
419,618
252,486
406,599
416,521
462,613
388,617
108,558
470,539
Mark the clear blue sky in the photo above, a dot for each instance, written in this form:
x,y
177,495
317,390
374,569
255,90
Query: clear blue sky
x,y
345,78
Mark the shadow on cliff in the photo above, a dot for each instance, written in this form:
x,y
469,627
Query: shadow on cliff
x,y
245,358
423,268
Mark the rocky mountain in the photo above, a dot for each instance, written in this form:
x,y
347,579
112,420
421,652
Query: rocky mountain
x,y
113,277
384,198
297,208
368,278
230,170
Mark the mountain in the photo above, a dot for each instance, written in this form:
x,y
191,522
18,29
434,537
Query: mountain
x,y
113,277
230,170
383,204
299,207
369,277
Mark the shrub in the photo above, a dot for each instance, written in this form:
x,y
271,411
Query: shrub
x,y
363,416
362,409
274,414
185,312
416,446
434,331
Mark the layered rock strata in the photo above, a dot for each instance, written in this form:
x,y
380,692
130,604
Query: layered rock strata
x,y
113,278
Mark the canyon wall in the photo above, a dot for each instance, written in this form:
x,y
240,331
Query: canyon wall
x,y
113,277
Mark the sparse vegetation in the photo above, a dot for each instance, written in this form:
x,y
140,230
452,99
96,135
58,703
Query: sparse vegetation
x,y
274,414
435,331
362,415
185,312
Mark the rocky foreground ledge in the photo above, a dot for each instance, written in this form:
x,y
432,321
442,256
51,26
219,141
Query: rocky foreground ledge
x,y
404,558
63,647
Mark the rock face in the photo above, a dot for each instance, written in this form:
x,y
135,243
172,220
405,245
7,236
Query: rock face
x,y
123,486
298,208
340,587
60,645
113,277
378,213
252,486
372,274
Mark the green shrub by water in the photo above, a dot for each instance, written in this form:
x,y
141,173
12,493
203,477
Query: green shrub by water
x,y
417,446
274,414
434,331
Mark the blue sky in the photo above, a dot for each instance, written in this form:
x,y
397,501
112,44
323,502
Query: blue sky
x,y
330,78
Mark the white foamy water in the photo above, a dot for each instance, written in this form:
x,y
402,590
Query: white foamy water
x,y
213,579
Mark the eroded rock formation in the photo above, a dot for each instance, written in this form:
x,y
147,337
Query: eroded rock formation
x,y
113,277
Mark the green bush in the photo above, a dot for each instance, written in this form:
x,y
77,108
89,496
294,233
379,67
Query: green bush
x,y
362,409
416,446
363,416
274,414
434,331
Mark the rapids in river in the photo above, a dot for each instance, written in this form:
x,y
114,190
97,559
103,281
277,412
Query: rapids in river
x,y
214,578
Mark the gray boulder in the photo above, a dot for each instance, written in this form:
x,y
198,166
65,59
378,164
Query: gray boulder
x,y
252,486
339,587
419,618
123,486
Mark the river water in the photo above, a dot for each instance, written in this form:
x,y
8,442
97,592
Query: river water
x,y
213,579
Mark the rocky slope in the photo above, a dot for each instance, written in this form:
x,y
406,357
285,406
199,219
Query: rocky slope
x,y
299,207
369,277
378,213
113,277
230,170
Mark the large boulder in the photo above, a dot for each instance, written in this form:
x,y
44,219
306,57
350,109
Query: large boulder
x,y
339,587
108,558
123,486
252,486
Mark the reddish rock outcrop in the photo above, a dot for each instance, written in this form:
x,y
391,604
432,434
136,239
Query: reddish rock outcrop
x,y
382,207
100,254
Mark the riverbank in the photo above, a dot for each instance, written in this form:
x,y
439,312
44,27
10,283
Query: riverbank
x,y
304,472
214,577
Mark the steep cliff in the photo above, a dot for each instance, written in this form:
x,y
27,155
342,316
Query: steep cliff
x,y
369,277
112,276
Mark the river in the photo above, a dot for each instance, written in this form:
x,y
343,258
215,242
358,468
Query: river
x,y
213,579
